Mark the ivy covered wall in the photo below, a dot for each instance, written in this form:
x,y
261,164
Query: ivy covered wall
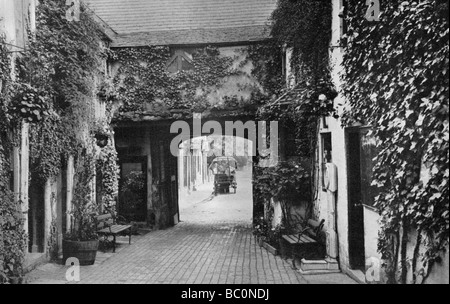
x,y
396,80
12,236
54,92
214,78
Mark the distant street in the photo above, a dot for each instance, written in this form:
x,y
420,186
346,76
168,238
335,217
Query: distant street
x,y
202,206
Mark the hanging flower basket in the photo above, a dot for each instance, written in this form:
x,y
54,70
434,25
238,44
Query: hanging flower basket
x,y
102,139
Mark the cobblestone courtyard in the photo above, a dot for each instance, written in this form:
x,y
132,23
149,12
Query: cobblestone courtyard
x,y
220,253
208,247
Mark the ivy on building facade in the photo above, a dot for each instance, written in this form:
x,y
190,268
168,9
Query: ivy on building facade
x,y
303,28
397,81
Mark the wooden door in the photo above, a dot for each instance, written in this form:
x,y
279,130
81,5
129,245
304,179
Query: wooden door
x,y
355,207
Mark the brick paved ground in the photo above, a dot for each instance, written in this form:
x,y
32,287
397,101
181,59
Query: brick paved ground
x,y
196,254
219,253
214,245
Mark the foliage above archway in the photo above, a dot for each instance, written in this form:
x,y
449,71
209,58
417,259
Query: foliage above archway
x,y
144,84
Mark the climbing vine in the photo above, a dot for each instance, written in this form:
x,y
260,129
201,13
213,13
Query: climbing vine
x,y
304,29
46,160
305,26
397,81
266,59
5,72
12,236
56,85
108,171
58,77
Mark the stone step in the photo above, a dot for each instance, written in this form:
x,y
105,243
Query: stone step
x,y
313,265
318,266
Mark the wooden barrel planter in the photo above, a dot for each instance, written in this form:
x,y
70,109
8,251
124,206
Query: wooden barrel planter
x,y
16,280
85,251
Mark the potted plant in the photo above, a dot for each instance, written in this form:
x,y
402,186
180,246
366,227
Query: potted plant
x,y
82,241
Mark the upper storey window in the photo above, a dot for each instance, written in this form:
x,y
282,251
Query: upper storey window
x,y
180,61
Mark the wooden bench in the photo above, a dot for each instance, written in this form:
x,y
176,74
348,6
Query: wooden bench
x,y
308,244
106,226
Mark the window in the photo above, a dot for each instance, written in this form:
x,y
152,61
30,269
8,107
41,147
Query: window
x,y
343,15
368,153
325,122
362,150
326,156
180,61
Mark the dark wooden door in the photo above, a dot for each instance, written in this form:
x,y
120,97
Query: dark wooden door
x,y
172,170
165,180
355,208
170,182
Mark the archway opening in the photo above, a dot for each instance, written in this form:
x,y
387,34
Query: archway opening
x,y
215,179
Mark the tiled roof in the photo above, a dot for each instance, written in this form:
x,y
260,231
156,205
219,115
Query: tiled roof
x,y
171,22
191,37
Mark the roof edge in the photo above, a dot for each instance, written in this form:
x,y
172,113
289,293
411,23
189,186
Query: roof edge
x,y
220,36
105,27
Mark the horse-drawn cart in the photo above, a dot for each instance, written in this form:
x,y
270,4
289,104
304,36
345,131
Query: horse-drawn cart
x,y
224,170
